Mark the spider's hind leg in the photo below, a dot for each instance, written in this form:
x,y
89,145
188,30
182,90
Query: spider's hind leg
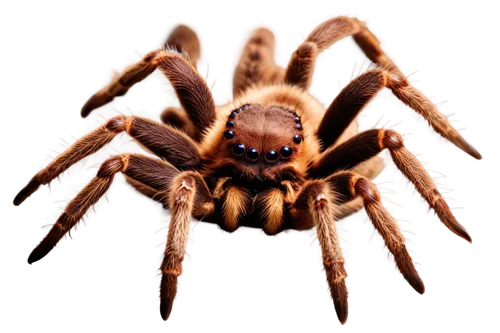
x,y
183,39
257,65
301,66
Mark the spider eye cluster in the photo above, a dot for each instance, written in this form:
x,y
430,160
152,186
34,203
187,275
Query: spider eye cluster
x,y
234,113
252,154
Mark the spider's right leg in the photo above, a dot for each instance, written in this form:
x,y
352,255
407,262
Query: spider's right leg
x,y
359,92
362,89
301,66
191,89
349,185
314,206
166,142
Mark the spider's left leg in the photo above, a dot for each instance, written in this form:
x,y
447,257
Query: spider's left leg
x,y
366,145
153,173
182,37
191,89
189,196
314,206
164,141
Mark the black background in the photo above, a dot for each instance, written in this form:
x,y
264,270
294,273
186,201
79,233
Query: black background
x,y
240,282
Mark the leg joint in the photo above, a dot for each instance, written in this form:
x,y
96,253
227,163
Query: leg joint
x,y
367,190
113,165
391,139
116,124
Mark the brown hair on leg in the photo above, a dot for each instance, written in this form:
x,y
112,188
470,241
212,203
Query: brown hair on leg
x,y
422,105
82,148
315,207
349,184
347,105
178,118
182,195
257,65
301,66
183,39
77,207
415,172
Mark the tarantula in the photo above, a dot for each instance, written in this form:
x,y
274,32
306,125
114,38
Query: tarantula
x,y
273,159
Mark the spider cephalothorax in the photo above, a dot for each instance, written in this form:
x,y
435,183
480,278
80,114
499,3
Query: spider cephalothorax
x,y
274,159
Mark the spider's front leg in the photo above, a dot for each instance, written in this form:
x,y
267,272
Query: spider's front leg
x,y
166,142
349,185
191,89
314,206
149,176
189,196
367,144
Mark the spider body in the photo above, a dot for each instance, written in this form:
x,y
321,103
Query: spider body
x,y
273,159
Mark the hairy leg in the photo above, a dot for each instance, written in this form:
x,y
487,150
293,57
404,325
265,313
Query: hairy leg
x,y
359,92
301,66
350,185
166,142
182,37
154,173
178,118
257,65
315,207
189,196
368,144
191,89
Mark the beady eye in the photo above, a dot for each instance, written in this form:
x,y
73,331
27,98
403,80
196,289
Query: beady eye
x,y
252,155
271,156
239,149
286,152
228,134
